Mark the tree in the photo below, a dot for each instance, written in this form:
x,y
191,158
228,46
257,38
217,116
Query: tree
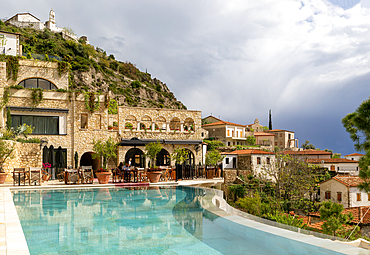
x,y
251,140
308,145
179,155
334,219
357,124
213,144
104,150
152,149
213,158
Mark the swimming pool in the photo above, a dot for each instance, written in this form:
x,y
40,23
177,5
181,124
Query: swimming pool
x,y
167,220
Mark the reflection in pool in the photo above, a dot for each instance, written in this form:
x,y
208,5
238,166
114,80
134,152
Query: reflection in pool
x,y
168,220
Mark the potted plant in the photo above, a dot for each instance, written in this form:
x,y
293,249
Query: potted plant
x,y
115,125
152,149
6,149
213,158
104,151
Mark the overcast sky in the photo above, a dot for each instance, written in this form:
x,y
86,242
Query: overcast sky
x,y
306,60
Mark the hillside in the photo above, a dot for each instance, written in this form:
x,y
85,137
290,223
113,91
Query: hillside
x,y
91,69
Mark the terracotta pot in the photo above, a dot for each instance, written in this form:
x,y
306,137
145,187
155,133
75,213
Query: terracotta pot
x,y
103,177
210,173
154,176
3,177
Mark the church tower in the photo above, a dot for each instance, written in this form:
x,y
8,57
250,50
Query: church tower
x,y
51,24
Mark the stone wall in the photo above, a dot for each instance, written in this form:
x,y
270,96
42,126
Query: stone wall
x,y
41,69
230,176
25,155
244,162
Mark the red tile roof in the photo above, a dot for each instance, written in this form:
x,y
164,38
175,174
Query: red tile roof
x,y
329,160
354,154
249,151
357,212
222,123
307,152
350,181
279,130
263,134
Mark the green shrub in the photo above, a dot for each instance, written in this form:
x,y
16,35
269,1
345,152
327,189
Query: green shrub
x,y
135,84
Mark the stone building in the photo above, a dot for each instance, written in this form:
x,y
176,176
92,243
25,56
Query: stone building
x,y
61,119
284,139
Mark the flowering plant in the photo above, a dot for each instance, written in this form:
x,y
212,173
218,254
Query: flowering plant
x,y
46,165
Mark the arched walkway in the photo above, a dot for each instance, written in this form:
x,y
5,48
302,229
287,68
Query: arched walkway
x,y
137,157
87,160
163,158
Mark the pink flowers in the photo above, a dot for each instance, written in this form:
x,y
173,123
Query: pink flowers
x,y
46,165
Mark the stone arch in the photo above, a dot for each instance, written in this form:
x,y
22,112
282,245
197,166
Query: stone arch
x,y
137,157
37,82
163,158
130,122
189,124
87,160
190,159
146,123
175,124
160,123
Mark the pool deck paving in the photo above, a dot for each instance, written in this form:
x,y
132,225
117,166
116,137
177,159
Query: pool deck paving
x,y
12,239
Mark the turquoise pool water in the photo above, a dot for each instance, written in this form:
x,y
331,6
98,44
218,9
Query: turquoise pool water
x,y
131,221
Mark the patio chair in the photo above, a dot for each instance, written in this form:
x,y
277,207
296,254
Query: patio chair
x,y
117,175
20,176
45,176
87,174
35,175
73,177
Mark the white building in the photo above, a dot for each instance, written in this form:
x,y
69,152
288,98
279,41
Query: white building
x,y
344,190
339,165
9,44
354,156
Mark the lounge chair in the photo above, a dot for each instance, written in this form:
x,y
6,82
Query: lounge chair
x,y
87,174
35,175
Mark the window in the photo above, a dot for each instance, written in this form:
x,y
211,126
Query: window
x,y
258,160
232,133
44,125
268,161
275,143
281,135
227,160
289,136
368,197
327,195
358,196
84,120
339,196
228,132
37,83
228,143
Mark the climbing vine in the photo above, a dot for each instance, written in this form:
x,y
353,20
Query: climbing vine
x,y
63,67
36,96
12,67
91,104
5,97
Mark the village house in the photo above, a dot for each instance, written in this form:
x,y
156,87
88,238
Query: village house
x,y
308,154
343,189
284,139
254,161
9,44
354,156
338,165
62,121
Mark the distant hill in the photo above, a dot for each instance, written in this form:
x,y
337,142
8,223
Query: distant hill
x,y
91,69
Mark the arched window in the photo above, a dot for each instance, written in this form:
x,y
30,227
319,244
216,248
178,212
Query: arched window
x,y
37,83
175,124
